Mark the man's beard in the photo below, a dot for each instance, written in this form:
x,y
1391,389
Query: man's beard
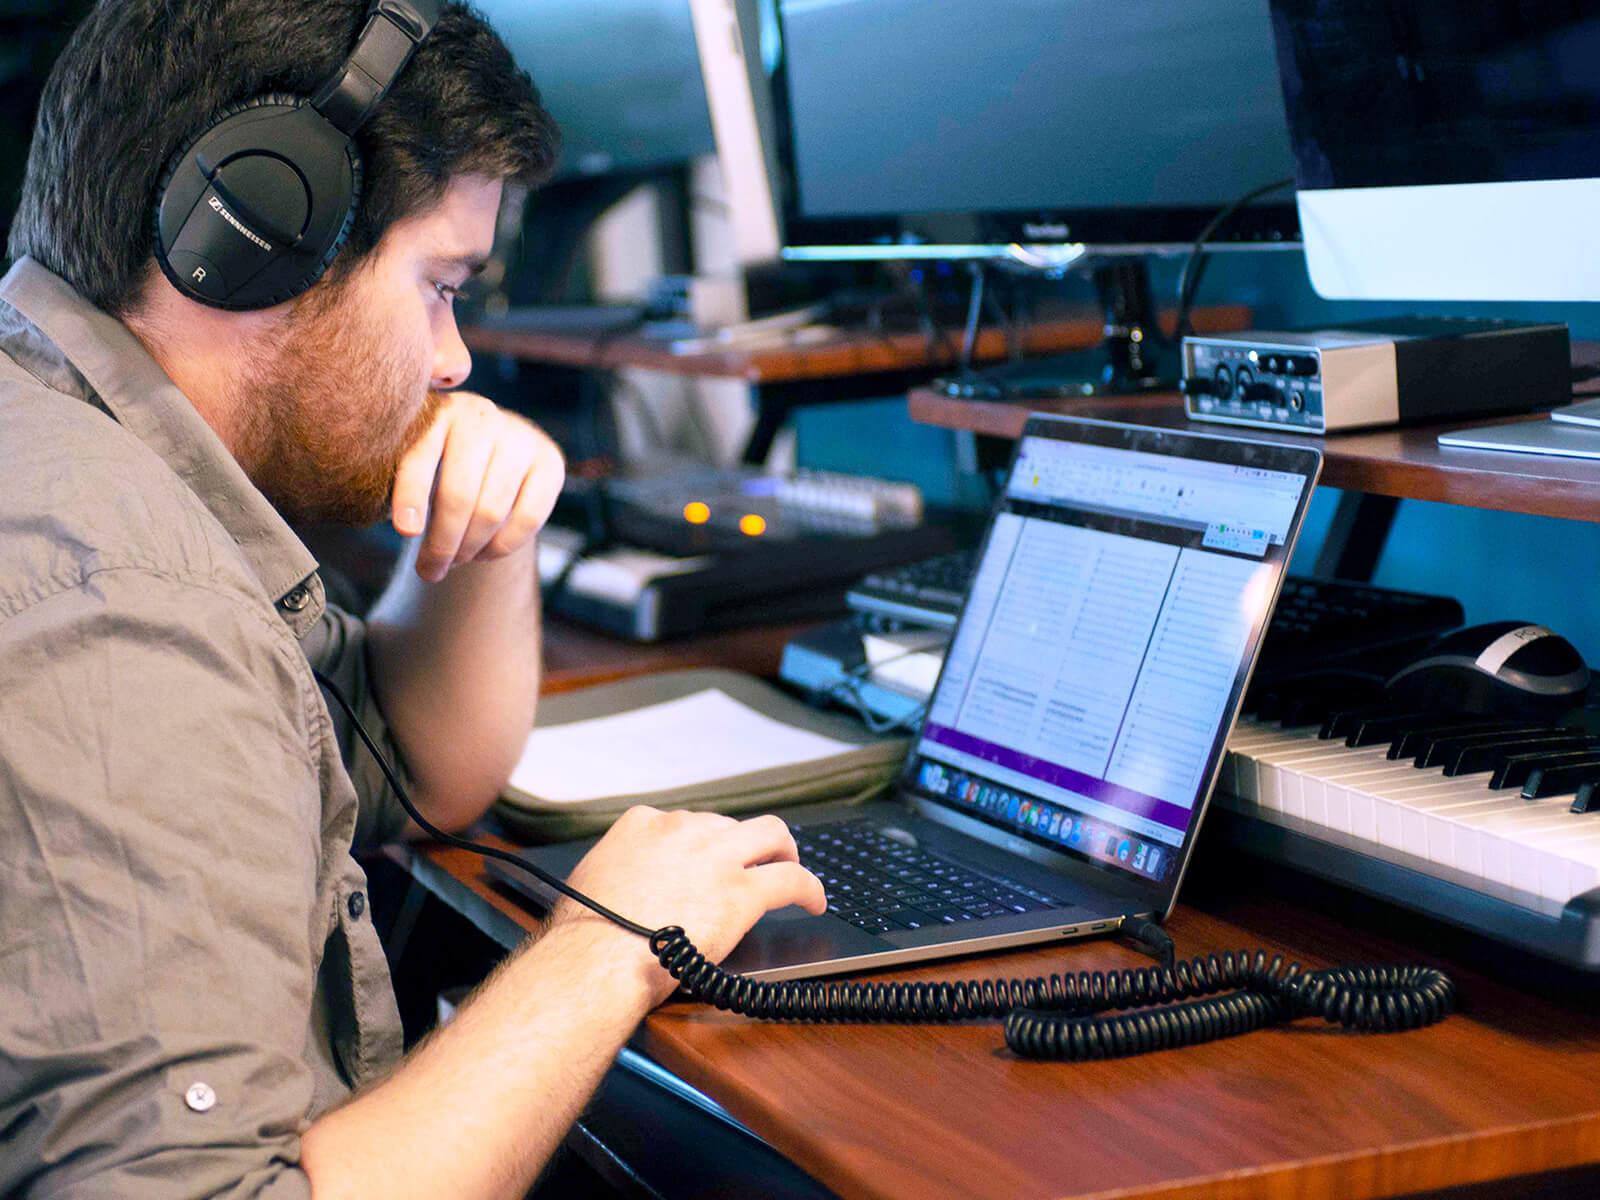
x,y
331,414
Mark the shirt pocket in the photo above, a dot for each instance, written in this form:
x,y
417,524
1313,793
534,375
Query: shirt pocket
x,y
363,1016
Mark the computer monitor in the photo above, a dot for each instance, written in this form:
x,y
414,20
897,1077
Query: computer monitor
x,y
962,129
620,77
1045,134
1445,151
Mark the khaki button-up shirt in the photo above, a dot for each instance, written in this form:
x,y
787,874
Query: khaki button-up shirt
x,y
188,974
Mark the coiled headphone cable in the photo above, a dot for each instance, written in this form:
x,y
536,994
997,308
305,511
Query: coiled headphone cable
x,y
1049,1017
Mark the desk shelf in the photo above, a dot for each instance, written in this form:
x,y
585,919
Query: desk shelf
x,y
1408,464
844,353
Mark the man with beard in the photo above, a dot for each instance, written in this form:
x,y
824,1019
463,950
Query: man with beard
x,y
194,1000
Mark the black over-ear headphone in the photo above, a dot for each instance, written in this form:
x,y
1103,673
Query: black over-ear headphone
x,y
254,209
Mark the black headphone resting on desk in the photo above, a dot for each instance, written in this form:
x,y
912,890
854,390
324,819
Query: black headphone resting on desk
x,y
252,212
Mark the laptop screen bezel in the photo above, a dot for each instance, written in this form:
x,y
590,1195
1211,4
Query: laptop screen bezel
x,y
1230,449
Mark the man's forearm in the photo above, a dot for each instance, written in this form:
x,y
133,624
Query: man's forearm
x,y
480,1107
455,666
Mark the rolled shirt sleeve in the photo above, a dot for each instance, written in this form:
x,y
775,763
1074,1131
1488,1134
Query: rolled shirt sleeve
x,y
166,891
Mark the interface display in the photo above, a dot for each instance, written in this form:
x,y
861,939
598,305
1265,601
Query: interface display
x,y
1109,622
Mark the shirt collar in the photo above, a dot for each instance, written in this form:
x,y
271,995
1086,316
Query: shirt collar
x,y
131,385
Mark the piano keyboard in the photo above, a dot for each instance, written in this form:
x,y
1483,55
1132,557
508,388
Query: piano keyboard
x,y
1523,869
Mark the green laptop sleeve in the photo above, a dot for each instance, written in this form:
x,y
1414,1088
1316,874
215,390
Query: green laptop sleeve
x,y
862,771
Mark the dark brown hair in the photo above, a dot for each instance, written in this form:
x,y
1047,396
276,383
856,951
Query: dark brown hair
x,y
139,79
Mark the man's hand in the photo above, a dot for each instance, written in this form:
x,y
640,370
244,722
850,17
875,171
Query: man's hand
x,y
480,482
706,872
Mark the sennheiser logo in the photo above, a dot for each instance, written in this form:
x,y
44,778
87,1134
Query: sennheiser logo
x,y
234,221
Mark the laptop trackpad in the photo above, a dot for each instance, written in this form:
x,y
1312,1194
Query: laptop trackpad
x,y
780,939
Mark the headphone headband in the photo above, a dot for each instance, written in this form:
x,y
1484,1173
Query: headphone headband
x,y
394,30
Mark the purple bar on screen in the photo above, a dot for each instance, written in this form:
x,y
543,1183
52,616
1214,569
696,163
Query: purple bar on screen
x,y
1110,794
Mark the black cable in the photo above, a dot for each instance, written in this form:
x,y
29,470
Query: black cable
x,y
937,341
1193,267
1006,322
1047,1017
847,691
462,843
969,333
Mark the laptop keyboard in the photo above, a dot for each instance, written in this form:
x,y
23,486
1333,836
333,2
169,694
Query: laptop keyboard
x,y
878,883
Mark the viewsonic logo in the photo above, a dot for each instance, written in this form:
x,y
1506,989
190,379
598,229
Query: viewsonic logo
x,y
1046,230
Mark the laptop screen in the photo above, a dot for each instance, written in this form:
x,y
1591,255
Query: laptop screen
x,y
1107,636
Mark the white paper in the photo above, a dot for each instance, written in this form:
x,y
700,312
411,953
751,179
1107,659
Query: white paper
x,y
705,736
908,660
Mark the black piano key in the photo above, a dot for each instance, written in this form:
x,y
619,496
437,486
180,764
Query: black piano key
x,y
1306,710
1332,693
1556,780
1268,705
1588,797
1316,706
1385,728
1516,768
1341,723
1414,742
1311,699
1444,749
1487,755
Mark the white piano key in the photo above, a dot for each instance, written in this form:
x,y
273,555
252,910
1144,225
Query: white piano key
x,y
1291,798
1227,772
1313,799
1243,783
1538,840
1336,803
1269,786
1455,822
1420,835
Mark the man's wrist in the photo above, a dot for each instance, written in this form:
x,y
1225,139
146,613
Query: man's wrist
x,y
622,957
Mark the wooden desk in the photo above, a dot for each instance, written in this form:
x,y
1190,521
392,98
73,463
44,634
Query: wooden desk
x,y
1504,1089
1405,463
576,657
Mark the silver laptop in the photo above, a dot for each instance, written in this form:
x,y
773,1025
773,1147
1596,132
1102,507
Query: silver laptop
x,y
1070,744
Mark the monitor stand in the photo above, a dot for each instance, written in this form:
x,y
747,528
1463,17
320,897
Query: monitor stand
x,y
1134,359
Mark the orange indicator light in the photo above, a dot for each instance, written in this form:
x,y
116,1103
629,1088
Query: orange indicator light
x,y
752,525
697,512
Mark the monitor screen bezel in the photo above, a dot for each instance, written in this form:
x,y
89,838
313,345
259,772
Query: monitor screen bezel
x,y
1237,449
1029,237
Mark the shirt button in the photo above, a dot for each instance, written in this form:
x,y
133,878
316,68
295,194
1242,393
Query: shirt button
x,y
357,904
297,599
200,1097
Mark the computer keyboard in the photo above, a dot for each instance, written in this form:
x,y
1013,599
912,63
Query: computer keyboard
x,y
929,592
1314,621
878,883
1318,621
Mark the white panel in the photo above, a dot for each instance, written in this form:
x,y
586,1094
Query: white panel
x,y
1481,241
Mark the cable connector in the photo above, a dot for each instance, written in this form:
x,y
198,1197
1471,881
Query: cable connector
x,y
1150,938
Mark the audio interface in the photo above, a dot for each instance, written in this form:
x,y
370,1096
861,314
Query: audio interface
x,y
1400,371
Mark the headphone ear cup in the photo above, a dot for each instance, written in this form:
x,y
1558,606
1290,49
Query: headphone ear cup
x,y
254,210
